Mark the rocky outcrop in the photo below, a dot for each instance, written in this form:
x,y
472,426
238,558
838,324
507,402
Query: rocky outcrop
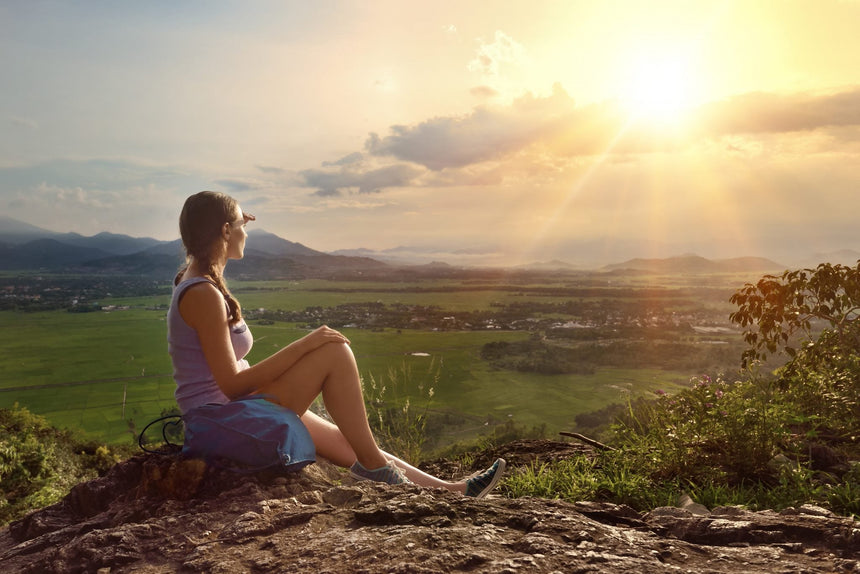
x,y
157,513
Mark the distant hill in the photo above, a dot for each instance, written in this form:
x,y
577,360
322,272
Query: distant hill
x,y
698,264
27,247
43,254
554,265
14,231
109,242
358,252
271,244
389,256
173,248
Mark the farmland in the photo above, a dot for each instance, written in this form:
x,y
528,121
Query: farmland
x,y
572,344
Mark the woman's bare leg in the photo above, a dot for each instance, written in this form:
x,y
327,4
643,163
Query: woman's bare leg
x,y
331,444
331,370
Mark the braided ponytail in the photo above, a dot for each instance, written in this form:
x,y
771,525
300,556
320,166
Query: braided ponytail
x,y
200,224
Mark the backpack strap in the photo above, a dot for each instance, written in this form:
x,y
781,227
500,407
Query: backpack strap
x,y
171,448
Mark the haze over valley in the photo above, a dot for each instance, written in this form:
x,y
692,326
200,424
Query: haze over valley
x,y
24,246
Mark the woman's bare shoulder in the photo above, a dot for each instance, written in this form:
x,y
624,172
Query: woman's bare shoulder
x,y
201,300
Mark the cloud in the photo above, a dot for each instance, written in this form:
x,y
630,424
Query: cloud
x,y
98,194
491,55
331,183
542,140
271,169
352,158
490,133
555,125
484,92
91,173
761,112
28,123
235,184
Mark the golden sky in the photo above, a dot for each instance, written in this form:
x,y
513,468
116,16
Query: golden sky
x,y
473,132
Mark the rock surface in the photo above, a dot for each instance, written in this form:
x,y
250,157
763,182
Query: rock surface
x,y
157,513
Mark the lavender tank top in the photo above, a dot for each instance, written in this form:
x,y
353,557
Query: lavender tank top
x,y
195,384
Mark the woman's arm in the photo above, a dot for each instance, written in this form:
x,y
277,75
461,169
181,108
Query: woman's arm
x,y
202,307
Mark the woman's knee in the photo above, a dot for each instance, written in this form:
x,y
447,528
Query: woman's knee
x,y
335,354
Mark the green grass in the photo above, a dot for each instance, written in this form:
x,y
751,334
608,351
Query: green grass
x,y
298,297
100,358
58,347
80,370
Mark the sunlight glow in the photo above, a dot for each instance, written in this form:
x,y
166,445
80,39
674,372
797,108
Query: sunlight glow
x,y
658,87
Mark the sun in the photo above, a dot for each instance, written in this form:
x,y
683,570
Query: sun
x,y
658,87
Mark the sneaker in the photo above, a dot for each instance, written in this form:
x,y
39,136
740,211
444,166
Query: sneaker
x,y
481,485
389,474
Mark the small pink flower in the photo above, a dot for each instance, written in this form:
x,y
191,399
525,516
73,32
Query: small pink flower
x,y
660,392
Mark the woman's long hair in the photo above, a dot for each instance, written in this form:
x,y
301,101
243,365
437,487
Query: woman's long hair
x,y
200,223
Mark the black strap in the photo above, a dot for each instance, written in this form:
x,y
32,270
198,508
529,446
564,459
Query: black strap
x,y
171,447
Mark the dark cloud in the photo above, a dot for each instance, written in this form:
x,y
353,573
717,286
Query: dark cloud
x,y
330,183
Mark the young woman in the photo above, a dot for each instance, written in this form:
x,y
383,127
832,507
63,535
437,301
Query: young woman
x,y
208,340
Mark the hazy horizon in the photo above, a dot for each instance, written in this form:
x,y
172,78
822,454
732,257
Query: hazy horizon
x,y
583,257
509,132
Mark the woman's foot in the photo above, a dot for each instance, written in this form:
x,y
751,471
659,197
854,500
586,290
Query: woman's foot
x,y
481,485
389,474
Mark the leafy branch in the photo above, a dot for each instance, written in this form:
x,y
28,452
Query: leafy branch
x,y
776,308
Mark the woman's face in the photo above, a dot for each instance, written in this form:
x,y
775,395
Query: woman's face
x,y
236,234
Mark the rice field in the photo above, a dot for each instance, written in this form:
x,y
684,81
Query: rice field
x,y
108,373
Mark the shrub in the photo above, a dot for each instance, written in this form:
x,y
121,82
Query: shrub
x,y
811,315
25,455
719,441
777,312
399,425
39,464
712,431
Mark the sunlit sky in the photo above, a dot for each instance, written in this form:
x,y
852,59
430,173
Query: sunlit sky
x,y
472,132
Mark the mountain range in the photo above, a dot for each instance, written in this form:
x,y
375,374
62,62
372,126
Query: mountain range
x,y
27,247
695,264
268,256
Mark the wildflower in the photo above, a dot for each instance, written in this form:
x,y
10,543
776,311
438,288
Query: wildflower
x,y
660,392
718,393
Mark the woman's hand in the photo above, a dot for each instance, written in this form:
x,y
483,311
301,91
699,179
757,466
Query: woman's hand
x,y
319,337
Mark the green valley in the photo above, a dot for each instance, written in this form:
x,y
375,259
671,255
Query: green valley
x,y
615,336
